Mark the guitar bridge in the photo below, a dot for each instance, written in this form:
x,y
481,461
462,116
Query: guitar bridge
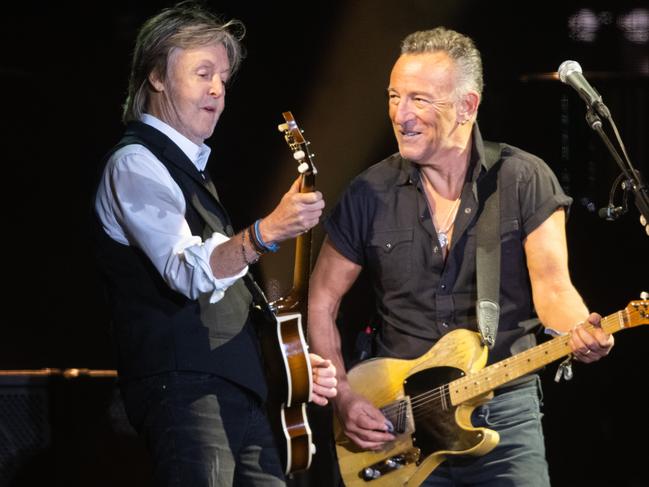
x,y
390,464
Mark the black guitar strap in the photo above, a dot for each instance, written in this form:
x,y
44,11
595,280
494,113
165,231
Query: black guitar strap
x,y
488,248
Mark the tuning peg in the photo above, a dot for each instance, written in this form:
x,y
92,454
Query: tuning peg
x,y
282,127
298,155
302,168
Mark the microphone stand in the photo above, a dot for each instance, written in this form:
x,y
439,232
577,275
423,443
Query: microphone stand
x,y
633,176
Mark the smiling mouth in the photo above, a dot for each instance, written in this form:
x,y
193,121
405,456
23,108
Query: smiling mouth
x,y
405,130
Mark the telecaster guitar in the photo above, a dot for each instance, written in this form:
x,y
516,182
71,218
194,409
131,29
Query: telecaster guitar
x,y
430,400
284,346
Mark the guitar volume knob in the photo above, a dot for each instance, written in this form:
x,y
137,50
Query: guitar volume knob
x,y
370,473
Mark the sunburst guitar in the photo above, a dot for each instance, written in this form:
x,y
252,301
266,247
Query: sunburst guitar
x,y
284,347
429,400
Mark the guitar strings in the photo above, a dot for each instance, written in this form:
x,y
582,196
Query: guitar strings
x,y
426,399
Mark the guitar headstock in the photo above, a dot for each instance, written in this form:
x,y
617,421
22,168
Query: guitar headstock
x,y
299,145
638,313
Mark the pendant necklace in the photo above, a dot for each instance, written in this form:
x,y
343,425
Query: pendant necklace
x,y
442,233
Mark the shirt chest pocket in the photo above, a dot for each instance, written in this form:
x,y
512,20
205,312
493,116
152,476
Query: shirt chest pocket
x,y
389,254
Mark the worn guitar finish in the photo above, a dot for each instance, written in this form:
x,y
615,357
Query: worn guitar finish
x,y
284,346
430,400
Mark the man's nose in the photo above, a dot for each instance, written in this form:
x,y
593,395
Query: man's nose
x,y
218,87
402,111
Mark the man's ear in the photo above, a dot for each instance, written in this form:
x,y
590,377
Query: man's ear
x,y
156,81
468,107
472,101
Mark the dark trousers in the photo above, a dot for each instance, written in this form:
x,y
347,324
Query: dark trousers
x,y
519,458
202,430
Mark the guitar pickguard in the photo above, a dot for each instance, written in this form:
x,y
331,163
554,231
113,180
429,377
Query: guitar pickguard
x,y
436,427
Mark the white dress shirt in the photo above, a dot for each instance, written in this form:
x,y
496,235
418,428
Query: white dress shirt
x,y
140,205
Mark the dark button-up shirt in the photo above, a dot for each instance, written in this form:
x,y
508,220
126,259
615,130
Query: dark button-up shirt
x,y
384,224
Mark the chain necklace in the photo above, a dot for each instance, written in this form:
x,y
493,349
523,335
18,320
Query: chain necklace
x,y
442,233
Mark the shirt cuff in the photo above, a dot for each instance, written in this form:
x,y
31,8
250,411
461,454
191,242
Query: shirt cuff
x,y
199,257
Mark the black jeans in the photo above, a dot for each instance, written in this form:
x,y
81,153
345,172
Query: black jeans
x,y
202,430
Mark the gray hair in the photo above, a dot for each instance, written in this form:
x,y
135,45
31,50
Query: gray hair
x,y
186,25
460,49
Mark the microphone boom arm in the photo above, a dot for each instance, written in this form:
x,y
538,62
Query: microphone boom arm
x,y
638,186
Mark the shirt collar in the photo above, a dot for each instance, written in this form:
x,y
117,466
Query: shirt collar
x,y
476,161
197,154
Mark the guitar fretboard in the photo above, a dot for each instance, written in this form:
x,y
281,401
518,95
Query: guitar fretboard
x,y
495,375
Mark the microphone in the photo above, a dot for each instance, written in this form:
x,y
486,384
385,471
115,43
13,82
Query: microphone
x,y
611,212
570,73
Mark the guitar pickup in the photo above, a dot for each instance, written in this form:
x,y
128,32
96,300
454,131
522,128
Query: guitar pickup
x,y
399,415
390,464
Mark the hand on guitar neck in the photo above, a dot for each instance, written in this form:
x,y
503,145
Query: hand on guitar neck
x,y
296,213
590,343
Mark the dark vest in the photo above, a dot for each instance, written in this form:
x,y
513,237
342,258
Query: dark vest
x,y
158,330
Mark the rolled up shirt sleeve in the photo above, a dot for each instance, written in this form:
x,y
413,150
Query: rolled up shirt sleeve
x,y
140,205
198,257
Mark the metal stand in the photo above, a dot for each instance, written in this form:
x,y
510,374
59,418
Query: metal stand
x,y
632,175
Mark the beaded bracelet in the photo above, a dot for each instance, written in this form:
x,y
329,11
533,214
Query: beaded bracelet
x,y
253,241
273,247
243,248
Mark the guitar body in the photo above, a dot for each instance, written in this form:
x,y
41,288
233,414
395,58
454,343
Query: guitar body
x,y
436,432
429,400
288,370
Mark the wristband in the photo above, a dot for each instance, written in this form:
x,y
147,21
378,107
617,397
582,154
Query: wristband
x,y
253,241
272,247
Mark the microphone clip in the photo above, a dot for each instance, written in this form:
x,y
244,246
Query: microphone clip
x,y
592,119
611,212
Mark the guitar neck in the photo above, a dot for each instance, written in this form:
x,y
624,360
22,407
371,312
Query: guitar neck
x,y
302,269
495,375
296,299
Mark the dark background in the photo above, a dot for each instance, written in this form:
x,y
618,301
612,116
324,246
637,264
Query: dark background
x,y
63,73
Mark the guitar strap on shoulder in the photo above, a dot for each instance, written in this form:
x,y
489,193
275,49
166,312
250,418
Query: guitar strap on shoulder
x,y
488,249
